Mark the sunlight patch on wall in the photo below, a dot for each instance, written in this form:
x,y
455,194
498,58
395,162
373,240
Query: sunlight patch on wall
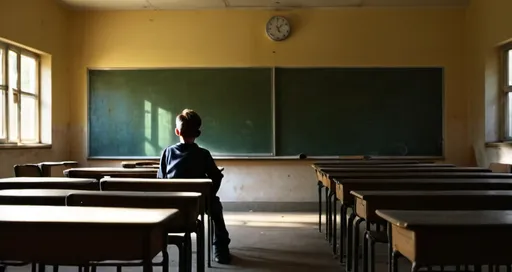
x,y
149,149
165,128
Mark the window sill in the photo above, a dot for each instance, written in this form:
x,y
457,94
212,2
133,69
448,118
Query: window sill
x,y
499,144
25,146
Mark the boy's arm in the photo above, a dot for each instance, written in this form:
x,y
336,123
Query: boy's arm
x,y
162,170
213,173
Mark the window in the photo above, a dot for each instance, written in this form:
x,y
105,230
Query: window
x,y
19,95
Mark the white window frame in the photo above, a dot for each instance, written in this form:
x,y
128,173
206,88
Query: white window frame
x,y
19,93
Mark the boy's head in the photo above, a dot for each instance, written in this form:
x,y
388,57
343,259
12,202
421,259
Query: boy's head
x,y
188,124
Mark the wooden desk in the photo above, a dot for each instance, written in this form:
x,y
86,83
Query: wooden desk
x,y
101,172
444,238
49,183
187,203
46,167
323,181
52,197
413,168
78,235
348,182
147,164
423,183
368,202
134,164
202,186
363,162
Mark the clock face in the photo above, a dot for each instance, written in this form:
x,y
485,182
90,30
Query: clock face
x,y
278,28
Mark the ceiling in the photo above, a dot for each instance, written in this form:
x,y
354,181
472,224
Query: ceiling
x,y
219,4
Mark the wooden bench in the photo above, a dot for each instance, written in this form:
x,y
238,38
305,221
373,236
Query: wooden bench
x,y
49,183
428,238
187,203
203,186
368,202
78,235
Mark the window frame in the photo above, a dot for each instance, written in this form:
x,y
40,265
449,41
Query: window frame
x,y
19,93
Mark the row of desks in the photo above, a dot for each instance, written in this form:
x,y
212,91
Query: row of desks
x,y
102,186
368,188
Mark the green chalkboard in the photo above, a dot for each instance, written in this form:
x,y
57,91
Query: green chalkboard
x,y
359,111
132,112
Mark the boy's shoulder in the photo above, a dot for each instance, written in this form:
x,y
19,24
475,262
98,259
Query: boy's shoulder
x,y
204,150
189,147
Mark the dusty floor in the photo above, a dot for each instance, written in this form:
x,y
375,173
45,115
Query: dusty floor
x,y
269,242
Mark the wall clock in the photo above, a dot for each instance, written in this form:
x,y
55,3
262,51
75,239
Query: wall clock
x,y
278,28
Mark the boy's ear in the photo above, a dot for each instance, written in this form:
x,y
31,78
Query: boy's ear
x,y
198,133
177,131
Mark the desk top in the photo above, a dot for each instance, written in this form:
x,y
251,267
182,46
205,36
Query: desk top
x,y
368,194
137,194
333,171
363,162
46,179
417,175
38,192
141,180
59,163
83,215
417,219
429,180
111,169
334,167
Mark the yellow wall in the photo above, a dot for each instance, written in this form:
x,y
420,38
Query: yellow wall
x,y
488,25
343,37
41,25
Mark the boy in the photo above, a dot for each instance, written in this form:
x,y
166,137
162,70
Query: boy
x,y
187,160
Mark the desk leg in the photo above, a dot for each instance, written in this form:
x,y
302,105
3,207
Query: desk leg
x,y
394,261
320,185
390,249
334,215
327,213
350,224
200,245
147,266
147,262
165,259
365,247
415,267
355,251
210,244
343,229
371,254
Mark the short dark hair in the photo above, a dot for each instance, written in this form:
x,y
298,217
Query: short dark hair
x,y
189,123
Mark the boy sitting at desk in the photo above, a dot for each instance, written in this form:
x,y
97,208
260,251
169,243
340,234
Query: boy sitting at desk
x,y
187,160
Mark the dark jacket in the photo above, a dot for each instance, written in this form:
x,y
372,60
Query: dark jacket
x,y
188,160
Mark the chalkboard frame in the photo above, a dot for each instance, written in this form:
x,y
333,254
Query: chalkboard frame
x,y
269,156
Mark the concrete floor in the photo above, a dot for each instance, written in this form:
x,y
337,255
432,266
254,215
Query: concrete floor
x,y
268,242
